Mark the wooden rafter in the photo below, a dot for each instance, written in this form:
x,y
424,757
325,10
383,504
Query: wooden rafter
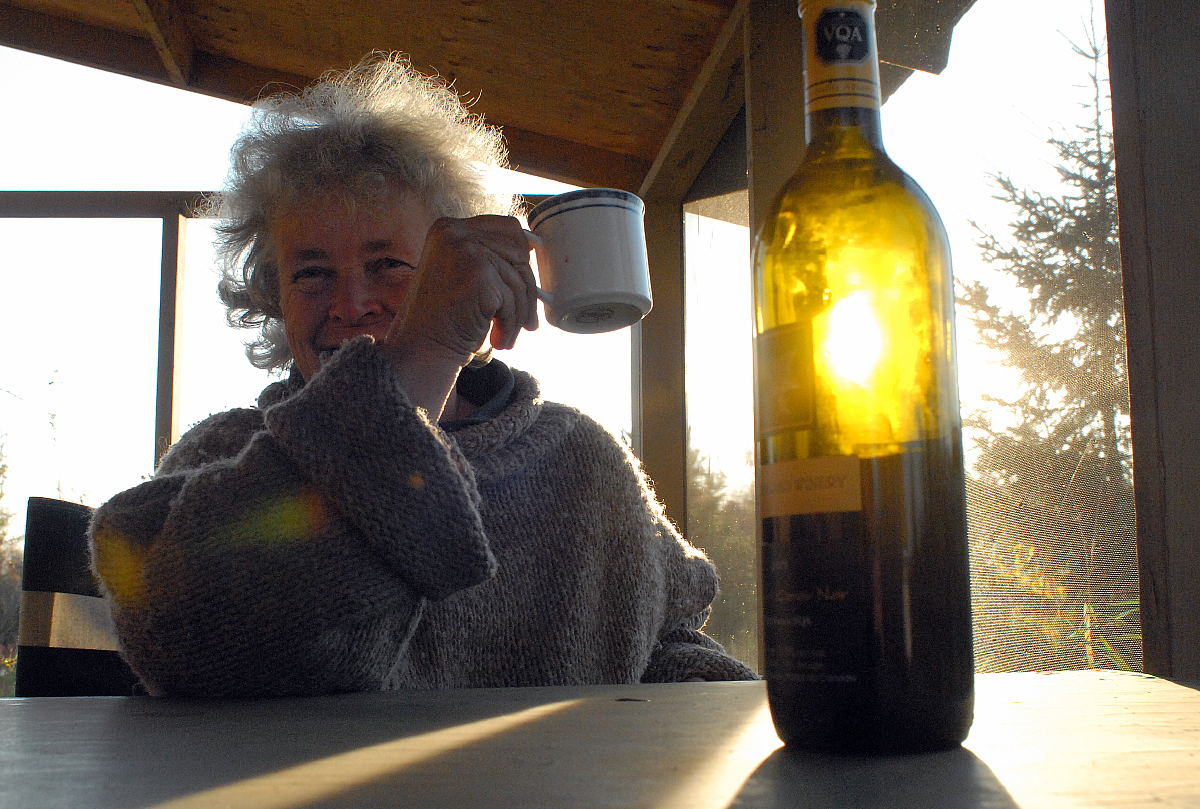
x,y
571,162
78,42
164,25
709,107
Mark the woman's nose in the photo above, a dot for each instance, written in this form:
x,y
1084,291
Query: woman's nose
x,y
353,300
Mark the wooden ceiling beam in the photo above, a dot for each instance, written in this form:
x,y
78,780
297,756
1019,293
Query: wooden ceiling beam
x,y
80,43
242,82
138,57
166,28
98,204
571,162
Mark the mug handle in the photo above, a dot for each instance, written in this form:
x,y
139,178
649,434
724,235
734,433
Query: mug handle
x,y
535,244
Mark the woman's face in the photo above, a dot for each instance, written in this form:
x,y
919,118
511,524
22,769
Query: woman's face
x,y
345,272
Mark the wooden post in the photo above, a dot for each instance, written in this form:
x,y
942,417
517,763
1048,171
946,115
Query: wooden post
x,y
660,420
774,100
1155,120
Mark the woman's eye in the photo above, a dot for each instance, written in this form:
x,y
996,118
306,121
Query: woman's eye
x,y
391,270
312,279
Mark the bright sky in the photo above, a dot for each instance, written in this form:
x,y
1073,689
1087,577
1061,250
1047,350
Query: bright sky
x,y
80,297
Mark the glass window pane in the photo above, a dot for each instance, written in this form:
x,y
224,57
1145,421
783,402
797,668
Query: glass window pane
x,y
212,373
77,385
139,135
592,372
720,415
1044,393
1044,390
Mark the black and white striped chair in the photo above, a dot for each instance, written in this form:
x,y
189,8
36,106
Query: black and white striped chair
x,y
66,645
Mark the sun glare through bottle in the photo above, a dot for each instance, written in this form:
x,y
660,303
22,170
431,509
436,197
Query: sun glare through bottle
x,y
859,462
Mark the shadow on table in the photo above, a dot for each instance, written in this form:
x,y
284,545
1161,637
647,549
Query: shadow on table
x,y
598,752
504,748
954,779
308,752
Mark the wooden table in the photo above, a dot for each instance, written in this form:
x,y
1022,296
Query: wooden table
x,y
1100,740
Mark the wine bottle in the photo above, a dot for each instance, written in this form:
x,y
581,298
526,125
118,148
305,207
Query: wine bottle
x,y
859,464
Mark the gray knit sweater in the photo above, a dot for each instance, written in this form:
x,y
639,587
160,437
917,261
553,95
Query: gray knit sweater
x,y
332,539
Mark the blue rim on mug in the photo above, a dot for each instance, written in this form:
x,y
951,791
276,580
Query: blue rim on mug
x,y
584,198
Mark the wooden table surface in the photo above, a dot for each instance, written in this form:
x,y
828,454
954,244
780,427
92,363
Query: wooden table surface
x,y
1100,740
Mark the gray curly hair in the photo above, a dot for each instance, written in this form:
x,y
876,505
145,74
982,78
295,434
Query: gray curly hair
x,y
362,133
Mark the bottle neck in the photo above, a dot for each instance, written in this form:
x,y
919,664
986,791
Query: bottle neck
x,y
841,75
838,130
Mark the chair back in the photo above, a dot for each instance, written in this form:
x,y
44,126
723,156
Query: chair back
x,y
66,643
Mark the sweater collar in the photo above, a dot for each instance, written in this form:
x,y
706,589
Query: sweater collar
x,y
488,387
517,411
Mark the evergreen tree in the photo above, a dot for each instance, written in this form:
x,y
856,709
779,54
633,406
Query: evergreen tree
x,y
720,520
1051,495
10,589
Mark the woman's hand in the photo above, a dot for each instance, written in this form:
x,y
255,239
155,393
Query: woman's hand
x,y
474,278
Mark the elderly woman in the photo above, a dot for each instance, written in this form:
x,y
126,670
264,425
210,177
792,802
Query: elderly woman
x,y
396,513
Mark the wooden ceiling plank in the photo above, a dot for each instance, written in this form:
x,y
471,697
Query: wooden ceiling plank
x,y
530,152
708,109
164,23
609,75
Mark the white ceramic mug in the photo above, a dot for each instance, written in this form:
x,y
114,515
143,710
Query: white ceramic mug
x,y
591,258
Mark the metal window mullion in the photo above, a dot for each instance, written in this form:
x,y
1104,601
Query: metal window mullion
x,y
168,302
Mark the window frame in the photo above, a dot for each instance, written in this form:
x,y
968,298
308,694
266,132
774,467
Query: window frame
x,y
172,209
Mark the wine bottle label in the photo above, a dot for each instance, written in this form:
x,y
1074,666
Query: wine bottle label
x,y
841,66
787,400
810,486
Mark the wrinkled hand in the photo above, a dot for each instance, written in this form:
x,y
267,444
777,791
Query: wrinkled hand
x,y
473,278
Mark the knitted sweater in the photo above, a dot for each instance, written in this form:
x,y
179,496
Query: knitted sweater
x,y
332,539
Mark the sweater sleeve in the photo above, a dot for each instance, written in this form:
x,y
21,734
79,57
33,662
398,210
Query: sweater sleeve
x,y
685,582
659,587
292,551
683,651
689,654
